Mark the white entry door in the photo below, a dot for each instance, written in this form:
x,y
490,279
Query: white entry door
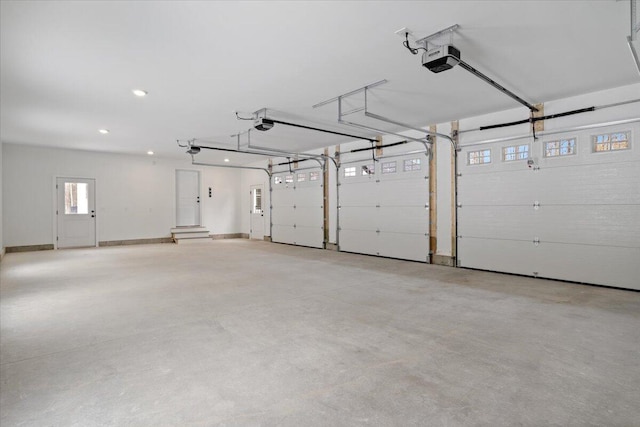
x,y
76,212
257,213
187,198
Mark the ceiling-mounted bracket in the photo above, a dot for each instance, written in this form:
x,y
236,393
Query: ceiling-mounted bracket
x,y
434,38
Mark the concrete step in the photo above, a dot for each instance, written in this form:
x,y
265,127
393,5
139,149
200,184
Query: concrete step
x,y
190,234
185,230
197,240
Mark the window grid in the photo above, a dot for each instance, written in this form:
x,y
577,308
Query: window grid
x,y
314,176
559,148
288,178
350,171
612,141
412,165
389,167
479,157
515,152
302,177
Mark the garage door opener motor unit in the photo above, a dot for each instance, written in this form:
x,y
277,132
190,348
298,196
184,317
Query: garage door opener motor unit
x,y
441,58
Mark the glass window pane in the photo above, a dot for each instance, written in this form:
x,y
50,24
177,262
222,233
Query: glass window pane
x,y
76,198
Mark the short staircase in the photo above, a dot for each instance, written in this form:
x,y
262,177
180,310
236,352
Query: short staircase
x,y
190,234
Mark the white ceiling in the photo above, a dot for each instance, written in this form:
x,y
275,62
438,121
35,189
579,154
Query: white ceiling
x,y
68,68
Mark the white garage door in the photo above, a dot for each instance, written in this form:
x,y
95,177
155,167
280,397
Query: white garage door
x,y
574,215
297,208
384,207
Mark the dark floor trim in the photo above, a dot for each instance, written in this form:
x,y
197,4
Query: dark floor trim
x,y
135,241
229,236
29,248
443,260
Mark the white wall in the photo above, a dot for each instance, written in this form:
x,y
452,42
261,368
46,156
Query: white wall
x,y
1,211
135,195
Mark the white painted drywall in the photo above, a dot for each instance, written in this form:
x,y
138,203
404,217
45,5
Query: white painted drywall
x,y
1,197
135,195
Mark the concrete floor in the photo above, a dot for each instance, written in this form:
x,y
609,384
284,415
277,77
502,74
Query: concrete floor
x,y
251,333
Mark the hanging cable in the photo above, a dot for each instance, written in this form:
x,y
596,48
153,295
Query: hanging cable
x,y
413,50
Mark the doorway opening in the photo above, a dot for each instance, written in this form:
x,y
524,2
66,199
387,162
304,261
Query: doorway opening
x,y
75,212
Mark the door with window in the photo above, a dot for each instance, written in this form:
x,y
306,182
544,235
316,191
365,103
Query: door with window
x,y
76,212
257,213
187,198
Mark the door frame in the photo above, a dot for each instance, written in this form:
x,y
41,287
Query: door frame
x,y
54,227
262,197
175,187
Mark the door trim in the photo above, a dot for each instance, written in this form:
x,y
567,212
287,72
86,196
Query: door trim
x,y
54,228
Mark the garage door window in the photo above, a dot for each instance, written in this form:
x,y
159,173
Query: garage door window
x,y
612,141
350,171
389,167
288,178
412,165
302,177
314,176
368,170
277,180
515,152
563,147
479,157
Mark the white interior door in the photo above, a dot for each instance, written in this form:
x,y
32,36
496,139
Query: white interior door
x,y
187,198
257,213
76,212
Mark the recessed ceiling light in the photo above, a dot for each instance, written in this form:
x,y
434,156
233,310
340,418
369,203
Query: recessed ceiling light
x,y
140,92
226,160
150,153
103,131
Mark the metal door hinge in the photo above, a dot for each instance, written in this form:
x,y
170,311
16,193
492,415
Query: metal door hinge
x,y
536,241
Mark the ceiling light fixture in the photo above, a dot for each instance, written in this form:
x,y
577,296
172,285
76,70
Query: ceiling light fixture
x,y
139,92
103,131
150,153
226,160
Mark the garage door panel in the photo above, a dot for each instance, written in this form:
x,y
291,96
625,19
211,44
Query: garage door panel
x,y
409,246
282,197
509,256
404,219
499,188
283,234
610,266
310,196
358,194
296,211
597,183
358,218
283,215
498,222
403,193
310,217
309,236
608,225
359,241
